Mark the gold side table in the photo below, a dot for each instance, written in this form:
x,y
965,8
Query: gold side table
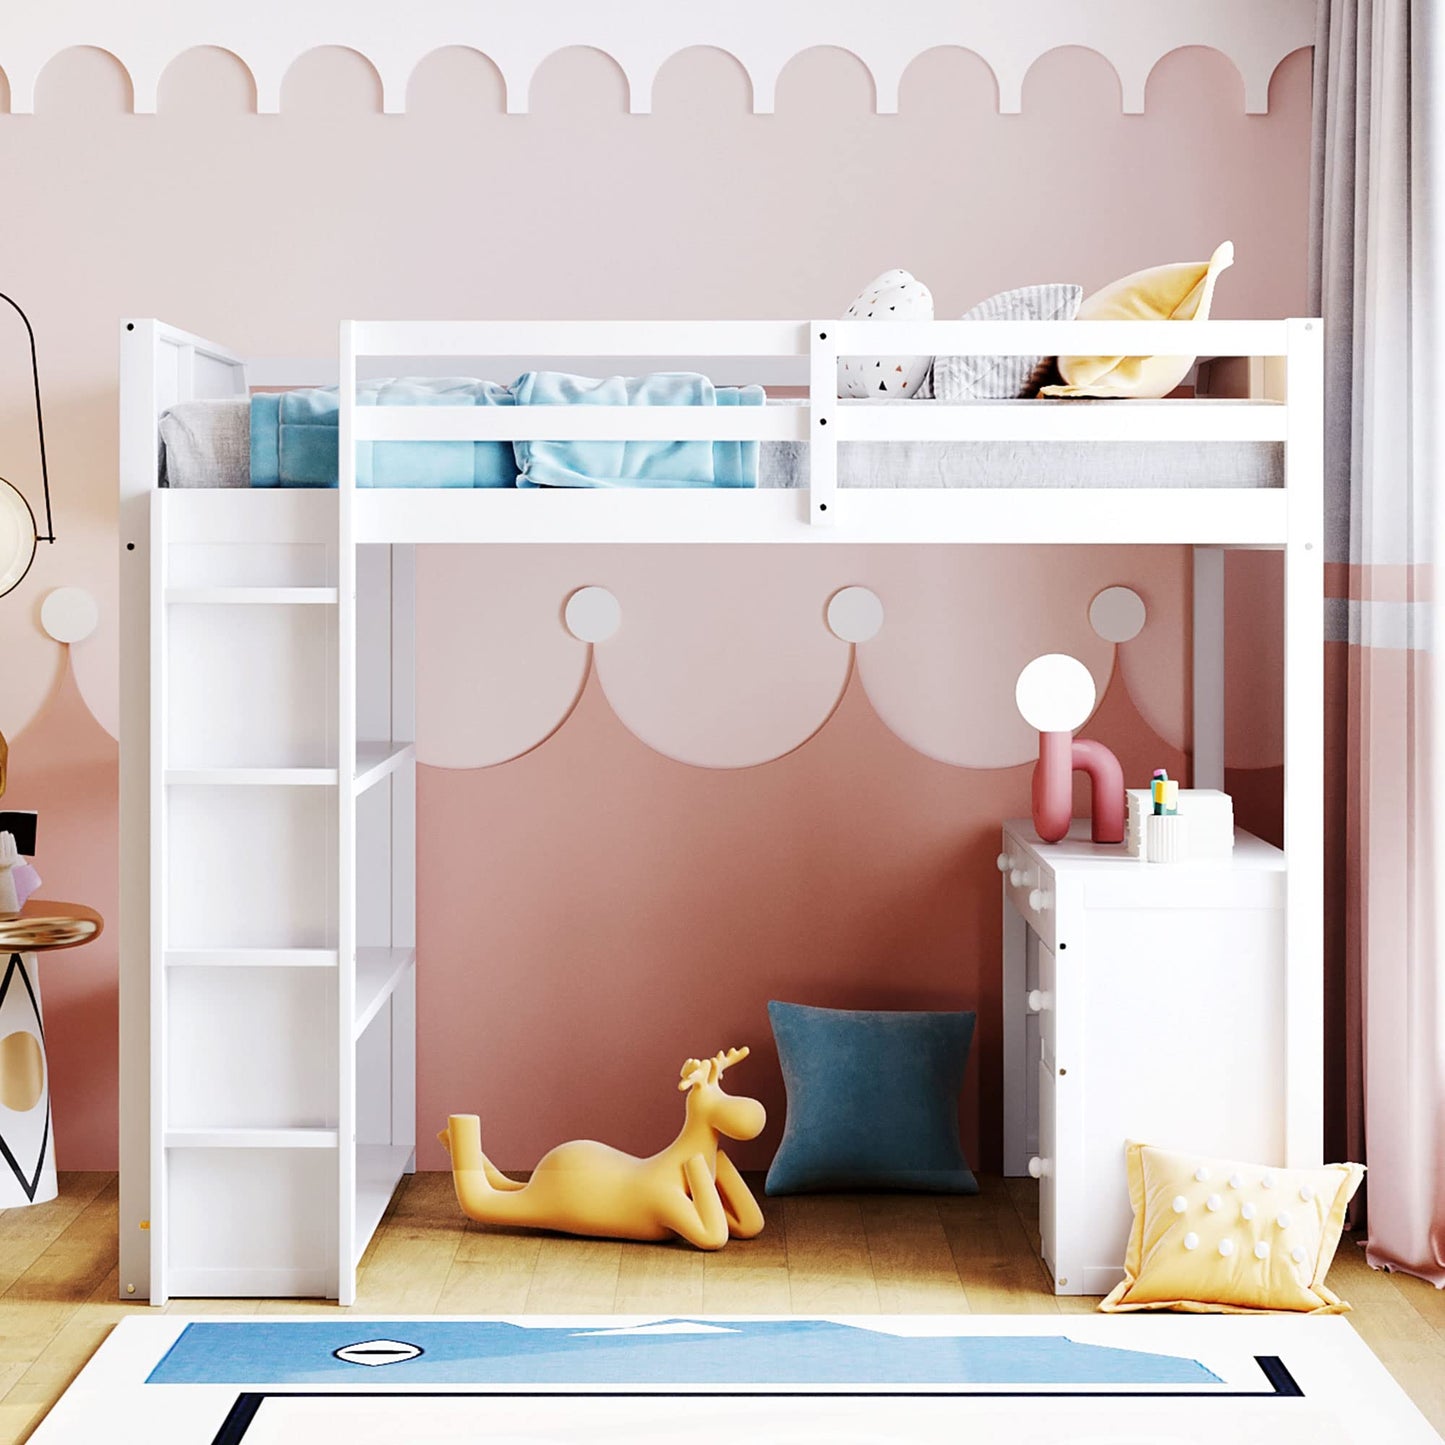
x,y
27,1138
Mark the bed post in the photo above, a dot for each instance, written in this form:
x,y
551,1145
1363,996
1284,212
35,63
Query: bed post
x,y
139,407
403,845
1207,769
345,1291
822,424
1304,745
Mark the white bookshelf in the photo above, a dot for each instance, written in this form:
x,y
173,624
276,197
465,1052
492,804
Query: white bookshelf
x,y
251,1139
250,958
253,777
251,596
271,656
379,973
376,762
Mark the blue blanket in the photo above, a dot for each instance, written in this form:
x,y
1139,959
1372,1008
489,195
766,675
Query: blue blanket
x,y
293,438
634,463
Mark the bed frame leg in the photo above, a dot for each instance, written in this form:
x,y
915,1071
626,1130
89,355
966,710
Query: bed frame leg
x,y
1207,770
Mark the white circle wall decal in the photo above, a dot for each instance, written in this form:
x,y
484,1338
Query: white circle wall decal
x,y
1055,694
69,614
1118,614
593,614
855,614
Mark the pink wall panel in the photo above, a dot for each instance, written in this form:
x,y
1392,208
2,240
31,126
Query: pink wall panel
x,y
262,231
725,659
962,625
721,660
1254,697
512,672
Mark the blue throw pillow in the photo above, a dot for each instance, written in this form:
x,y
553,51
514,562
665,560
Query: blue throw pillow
x,y
872,1100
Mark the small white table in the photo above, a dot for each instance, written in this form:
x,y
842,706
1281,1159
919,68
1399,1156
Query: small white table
x,y
27,1136
1141,1001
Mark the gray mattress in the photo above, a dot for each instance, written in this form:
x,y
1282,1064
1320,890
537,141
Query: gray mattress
x,y
207,444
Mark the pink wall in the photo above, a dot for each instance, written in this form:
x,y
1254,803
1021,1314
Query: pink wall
x,y
739,807
262,231
630,911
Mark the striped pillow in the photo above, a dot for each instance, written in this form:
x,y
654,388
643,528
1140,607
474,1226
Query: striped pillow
x,y
969,378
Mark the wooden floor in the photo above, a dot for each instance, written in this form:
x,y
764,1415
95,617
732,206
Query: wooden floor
x,y
837,1254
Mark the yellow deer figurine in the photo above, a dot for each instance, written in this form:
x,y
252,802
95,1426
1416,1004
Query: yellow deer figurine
x,y
691,1189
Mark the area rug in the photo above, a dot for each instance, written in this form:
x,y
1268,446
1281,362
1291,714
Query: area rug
x,y
614,1380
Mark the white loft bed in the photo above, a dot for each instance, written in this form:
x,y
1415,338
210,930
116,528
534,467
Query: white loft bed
x,y
250,1167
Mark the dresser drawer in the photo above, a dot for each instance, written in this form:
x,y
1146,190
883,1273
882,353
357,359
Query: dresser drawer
x,y
1048,1143
1030,885
1040,1003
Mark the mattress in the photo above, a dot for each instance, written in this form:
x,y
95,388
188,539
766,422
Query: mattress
x,y
207,444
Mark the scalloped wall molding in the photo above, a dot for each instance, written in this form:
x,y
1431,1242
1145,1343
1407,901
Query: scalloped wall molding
x,y
268,36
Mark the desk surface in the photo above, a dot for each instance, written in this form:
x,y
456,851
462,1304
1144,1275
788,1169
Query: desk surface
x,y
1250,853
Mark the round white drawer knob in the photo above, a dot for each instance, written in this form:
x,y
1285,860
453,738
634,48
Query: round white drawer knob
x,y
1018,877
1038,1167
1004,861
1040,900
1039,1000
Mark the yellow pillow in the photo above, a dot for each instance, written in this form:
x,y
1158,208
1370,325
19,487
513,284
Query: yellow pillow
x,y
1180,292
1214,1235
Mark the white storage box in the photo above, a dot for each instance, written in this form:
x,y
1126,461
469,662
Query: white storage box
x,y
1206,833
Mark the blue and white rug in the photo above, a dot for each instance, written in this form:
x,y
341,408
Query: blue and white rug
x,y
862,1380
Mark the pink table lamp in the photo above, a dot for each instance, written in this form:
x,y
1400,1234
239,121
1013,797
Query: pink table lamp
x,y
1056,694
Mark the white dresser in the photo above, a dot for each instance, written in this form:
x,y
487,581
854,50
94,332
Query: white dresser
x,y
1141,1001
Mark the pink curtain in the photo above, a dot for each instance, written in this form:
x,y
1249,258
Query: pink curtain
x,y
1378,270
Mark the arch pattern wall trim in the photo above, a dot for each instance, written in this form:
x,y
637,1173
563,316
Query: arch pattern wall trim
x,y
268,36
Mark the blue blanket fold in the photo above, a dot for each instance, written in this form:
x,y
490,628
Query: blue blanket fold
x,y
293,438
634,463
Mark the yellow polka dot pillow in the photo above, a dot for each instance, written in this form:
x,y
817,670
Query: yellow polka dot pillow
x,y
1217,1235
1180,292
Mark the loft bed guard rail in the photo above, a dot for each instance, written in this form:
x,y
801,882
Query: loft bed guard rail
x,y
823,422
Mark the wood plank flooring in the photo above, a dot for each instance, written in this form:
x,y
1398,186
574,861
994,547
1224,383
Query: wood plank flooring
x,y
831,1254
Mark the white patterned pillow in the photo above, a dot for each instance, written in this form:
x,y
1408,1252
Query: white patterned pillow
x,y
894,296
971,378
